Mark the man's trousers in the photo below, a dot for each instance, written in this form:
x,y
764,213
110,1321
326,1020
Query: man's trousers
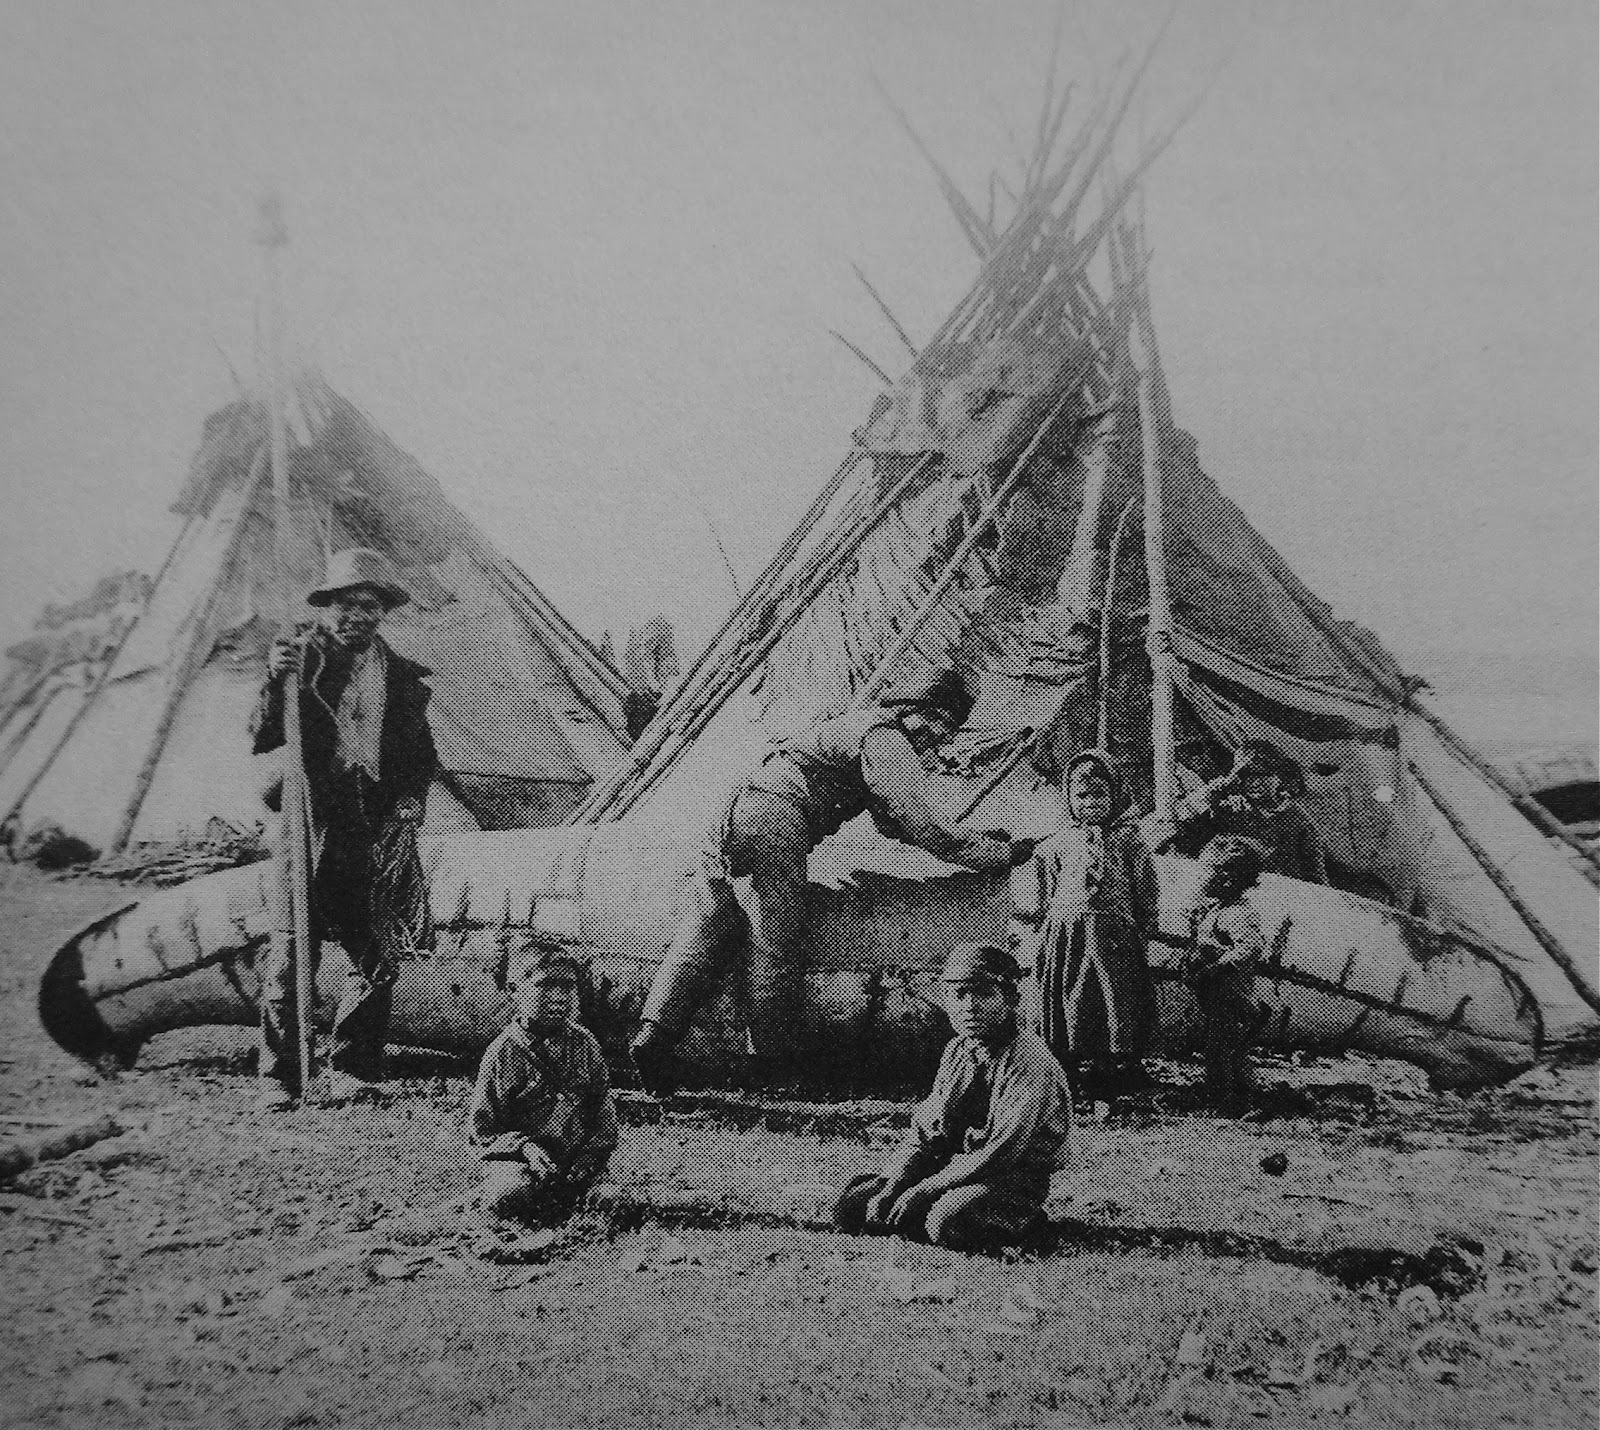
x,y
369,895
765,838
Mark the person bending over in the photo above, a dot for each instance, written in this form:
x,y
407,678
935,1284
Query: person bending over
x,y
874,760
973,1172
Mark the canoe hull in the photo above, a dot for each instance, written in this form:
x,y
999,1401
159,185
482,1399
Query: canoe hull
x,y
1343,973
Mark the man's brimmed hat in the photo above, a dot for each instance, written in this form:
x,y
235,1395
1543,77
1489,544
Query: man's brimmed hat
x,y
945,690
980,963
355,567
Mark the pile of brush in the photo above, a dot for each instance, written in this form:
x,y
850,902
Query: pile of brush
x,y
221,845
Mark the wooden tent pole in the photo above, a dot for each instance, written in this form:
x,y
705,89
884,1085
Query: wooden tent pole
x,y
274,238
194,656
979,528
93,694
1486,861
607,804
553,627
763,585
1402,692
1526,803
1027,742
760,590
1103,724
36,714
1159,633
707,684
746,660
1405,698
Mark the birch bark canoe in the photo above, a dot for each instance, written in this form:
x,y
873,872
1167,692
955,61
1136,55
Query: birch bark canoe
x,y
1343,973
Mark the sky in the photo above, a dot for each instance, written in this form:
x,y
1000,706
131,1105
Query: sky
x,y
583,260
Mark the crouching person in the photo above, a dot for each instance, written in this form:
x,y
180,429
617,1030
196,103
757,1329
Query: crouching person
x,y
542,1115
974,1170
1227,944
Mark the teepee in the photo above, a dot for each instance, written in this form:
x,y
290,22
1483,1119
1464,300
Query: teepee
x,y
1023,505
135,728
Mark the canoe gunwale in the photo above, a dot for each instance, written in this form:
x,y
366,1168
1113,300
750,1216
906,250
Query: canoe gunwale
x,y
1277,971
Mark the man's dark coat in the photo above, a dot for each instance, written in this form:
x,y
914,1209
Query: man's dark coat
x,y
345,799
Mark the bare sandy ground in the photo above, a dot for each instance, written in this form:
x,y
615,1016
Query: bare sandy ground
x,y
1420,1260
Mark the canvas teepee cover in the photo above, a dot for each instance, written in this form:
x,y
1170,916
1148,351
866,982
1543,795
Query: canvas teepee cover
x,y
149,742
990,514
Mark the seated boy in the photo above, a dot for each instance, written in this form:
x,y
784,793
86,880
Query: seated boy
x,y
973,1172
542,1115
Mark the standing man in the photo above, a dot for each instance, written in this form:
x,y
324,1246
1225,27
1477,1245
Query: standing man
x,y
369,757
1258,799
874,760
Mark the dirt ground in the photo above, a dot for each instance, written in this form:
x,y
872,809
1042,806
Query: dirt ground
x,y
1419,1260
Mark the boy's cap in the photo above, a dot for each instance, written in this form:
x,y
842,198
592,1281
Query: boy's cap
x,y
979,963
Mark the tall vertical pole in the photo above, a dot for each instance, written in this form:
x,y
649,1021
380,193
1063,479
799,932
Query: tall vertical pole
x,y
273,235
1103,724
1159,636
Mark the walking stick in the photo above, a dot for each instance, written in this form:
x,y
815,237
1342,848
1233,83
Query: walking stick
x,y
297,831
274,237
